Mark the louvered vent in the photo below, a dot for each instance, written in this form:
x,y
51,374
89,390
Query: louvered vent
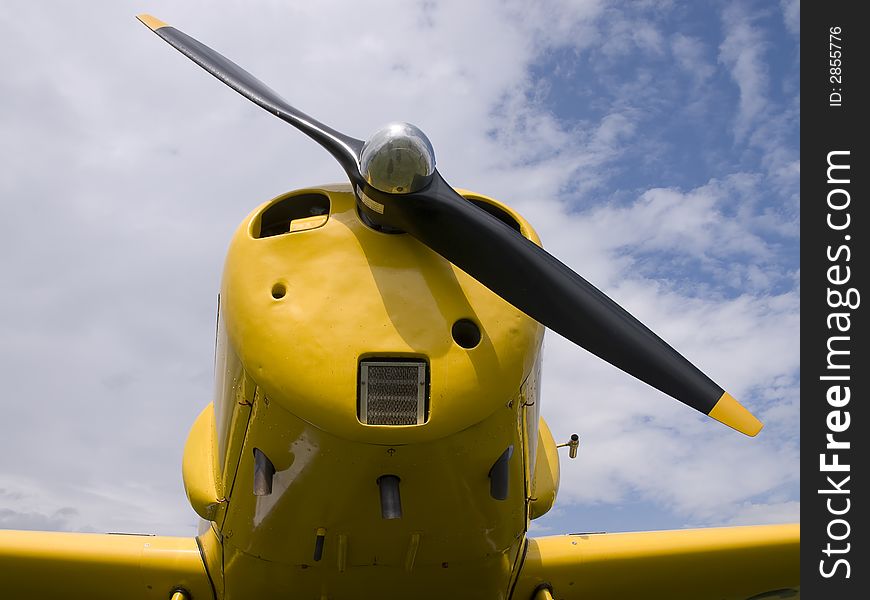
x,y
393,392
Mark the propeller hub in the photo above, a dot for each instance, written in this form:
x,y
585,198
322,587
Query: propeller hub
x,y
398,159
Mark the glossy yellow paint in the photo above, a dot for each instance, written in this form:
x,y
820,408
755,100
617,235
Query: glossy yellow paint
x,y
151,22
351,292
729,411
732,563
234,392
36,564
348,293
545,484
329,483
199,467
307,223
211,547
543,593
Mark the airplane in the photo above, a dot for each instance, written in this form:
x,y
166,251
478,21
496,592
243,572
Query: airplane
x,y
376,423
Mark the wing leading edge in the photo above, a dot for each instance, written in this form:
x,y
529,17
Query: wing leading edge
x,y
37,564
731,563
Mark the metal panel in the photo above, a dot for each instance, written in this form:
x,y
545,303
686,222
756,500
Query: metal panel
x,y
392,392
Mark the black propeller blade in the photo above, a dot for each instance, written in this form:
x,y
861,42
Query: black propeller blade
x,y
544,288
516,269
345,149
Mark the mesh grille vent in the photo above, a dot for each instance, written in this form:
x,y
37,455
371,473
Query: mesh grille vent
x,y
392,392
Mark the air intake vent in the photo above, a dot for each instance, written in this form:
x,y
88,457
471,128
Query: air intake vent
x,y
292,213
393,392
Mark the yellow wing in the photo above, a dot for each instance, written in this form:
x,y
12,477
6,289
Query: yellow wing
x,y
692,564
36,564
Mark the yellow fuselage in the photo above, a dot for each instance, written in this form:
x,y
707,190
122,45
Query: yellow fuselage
x,y
301,305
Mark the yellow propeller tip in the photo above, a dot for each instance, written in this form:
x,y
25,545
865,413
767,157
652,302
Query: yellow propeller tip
x,y
151,22
733,414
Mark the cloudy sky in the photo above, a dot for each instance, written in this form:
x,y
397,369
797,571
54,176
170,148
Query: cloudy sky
x,y
653,144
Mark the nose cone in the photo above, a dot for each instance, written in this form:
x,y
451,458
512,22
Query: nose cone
x,y
398,159
350,295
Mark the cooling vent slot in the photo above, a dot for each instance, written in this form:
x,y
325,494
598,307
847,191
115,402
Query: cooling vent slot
x,y
393,392
294,213
497,212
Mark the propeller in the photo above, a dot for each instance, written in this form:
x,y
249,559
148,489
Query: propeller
x,y
399,189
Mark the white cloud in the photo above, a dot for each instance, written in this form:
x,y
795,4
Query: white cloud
x,y
127,167
791,15
636,441
689,52
742,53
762,514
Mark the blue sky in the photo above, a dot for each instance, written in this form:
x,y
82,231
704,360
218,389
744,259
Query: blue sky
x,y
706,95
653,144
675,83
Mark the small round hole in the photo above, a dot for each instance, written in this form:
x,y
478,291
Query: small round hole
x,y
279,290
466,333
